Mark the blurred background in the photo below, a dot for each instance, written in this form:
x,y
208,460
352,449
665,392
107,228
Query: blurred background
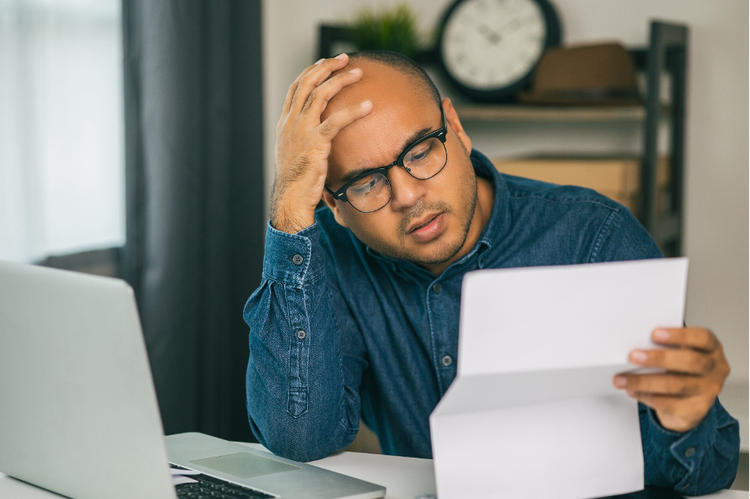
x,y
137,140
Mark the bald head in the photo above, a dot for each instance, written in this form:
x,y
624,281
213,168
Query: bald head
x,y
392,69
402,64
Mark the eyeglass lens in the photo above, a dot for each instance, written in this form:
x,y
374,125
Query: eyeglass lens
x,y
424,160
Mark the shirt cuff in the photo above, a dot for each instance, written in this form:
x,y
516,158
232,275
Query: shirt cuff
x,y
687,448
292,258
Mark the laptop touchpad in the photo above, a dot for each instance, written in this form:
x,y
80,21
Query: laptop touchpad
x,y
245,465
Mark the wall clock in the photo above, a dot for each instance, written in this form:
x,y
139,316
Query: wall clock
x,y
489,48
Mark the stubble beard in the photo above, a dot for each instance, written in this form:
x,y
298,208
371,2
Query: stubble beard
x,y
445,249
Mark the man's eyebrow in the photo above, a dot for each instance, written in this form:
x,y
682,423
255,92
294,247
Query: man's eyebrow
x,y
407,142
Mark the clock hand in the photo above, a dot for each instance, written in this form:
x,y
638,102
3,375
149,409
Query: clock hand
x,y
492,36
510,27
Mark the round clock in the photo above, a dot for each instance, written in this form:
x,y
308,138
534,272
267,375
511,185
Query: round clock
x,y
489,48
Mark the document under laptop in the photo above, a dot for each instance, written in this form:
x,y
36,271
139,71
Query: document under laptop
x,y
78,411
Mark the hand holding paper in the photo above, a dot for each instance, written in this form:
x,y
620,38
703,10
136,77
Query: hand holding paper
x,y
695,372
538,349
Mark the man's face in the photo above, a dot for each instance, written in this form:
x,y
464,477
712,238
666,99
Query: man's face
x,y
426,221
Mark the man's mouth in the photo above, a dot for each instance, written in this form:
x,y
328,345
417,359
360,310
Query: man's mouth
x,y
422,223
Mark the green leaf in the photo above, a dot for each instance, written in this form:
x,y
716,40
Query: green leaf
x,y
391,29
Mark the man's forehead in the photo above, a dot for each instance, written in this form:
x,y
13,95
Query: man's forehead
x,y
400,109
379,138
378,82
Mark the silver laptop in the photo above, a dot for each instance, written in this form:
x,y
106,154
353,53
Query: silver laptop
x,y
78,410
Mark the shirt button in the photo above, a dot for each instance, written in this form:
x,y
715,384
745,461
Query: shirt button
x,y
686,486
297,259
301,334
437,288
690,451
447,360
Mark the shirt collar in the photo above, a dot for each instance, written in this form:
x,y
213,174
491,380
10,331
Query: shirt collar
x,y
498,221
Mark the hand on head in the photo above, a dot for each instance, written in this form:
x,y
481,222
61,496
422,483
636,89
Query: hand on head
x,y
695,370
303,141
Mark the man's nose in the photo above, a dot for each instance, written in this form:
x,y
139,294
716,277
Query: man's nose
x,y
405,189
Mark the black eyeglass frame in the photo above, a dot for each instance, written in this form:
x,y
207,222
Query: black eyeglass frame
x,y
440,134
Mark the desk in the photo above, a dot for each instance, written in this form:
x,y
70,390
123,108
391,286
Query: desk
x,y
405,477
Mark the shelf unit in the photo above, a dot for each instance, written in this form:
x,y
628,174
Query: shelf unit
x,y
511,112
667,54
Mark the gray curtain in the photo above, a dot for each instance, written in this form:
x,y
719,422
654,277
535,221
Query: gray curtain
x,y
194,192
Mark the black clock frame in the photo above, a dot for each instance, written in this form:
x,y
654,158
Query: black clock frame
x,y
505,93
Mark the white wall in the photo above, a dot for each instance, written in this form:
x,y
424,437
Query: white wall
x,y
716,215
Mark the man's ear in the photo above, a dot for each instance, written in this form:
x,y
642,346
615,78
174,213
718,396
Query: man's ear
x,y
335,209
455,123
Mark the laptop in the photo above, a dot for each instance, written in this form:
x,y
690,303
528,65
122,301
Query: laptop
x,y
78,410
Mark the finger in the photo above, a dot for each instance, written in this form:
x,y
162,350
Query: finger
x,y
682,360
691,337
661,384
293,87
321,95
338,120
313,78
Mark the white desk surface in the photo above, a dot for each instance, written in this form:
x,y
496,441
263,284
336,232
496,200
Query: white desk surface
x,y
404,477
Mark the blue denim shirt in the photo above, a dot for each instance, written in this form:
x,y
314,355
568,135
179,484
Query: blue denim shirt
x,y
339,332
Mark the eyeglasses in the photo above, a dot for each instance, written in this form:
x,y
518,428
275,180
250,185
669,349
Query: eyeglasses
x,y
422,159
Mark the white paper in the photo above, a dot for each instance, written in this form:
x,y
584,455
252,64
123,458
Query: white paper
x,y
176,471
582,315
532,412
180,477
180,480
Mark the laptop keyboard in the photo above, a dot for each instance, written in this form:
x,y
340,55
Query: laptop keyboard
x,y
210,487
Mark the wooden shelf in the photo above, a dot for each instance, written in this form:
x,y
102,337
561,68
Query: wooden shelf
x,y
509,112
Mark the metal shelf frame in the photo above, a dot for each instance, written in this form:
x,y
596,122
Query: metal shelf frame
x,y
668,51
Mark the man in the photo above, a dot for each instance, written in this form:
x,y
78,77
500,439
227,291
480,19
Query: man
x,y
357,314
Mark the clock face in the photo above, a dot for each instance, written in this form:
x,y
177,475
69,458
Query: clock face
x,y
491,44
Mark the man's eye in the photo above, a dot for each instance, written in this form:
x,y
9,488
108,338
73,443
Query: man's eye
x,y
366,185
419,153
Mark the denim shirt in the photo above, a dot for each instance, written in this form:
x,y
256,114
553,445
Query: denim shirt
x,y
339,332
